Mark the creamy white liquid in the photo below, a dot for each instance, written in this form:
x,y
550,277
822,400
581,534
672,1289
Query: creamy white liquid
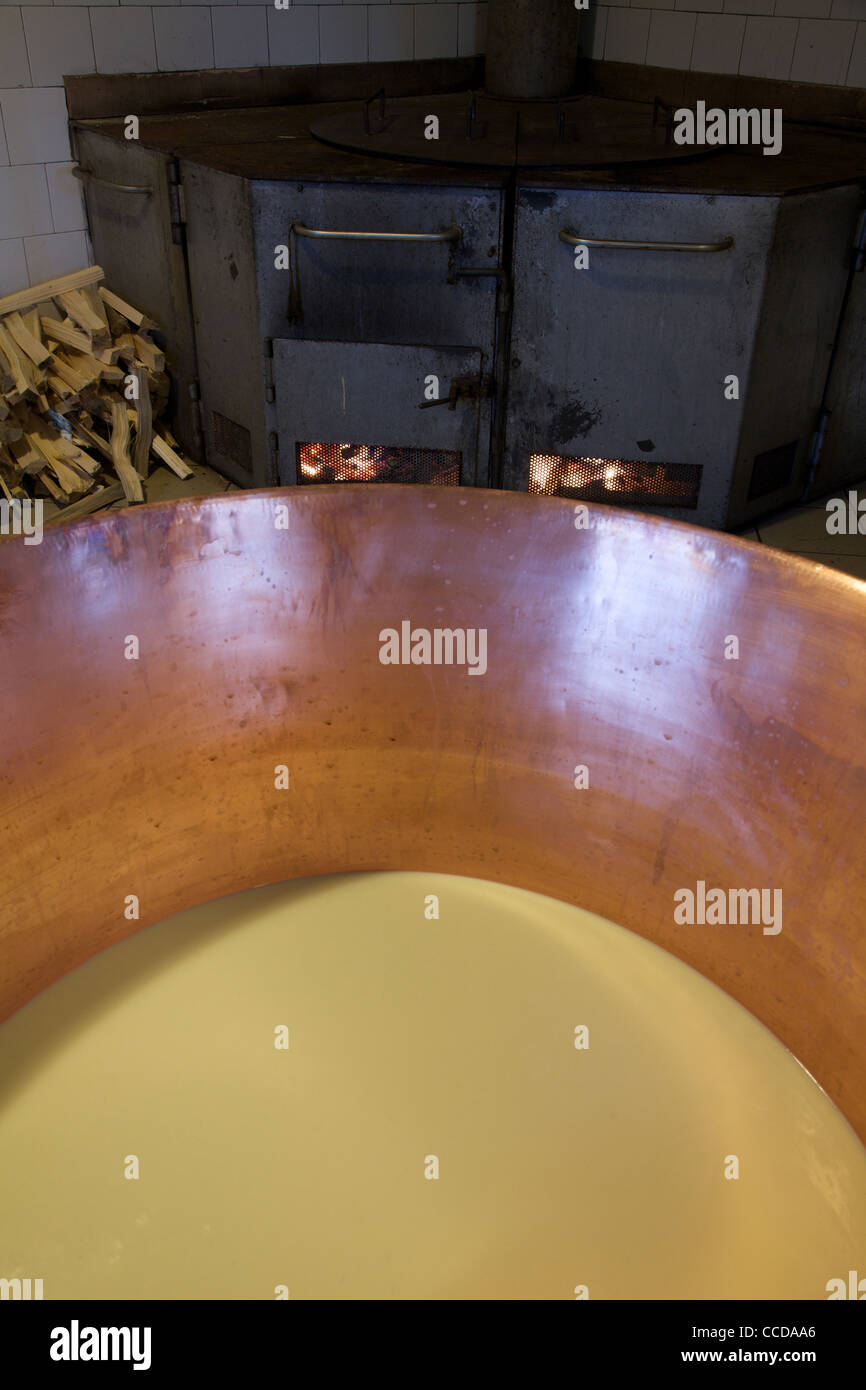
x,y
411,1038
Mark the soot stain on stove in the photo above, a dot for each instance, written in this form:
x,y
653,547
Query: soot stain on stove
x,y
538,201
575,419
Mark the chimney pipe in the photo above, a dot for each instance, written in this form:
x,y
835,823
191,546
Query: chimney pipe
x,y
531,49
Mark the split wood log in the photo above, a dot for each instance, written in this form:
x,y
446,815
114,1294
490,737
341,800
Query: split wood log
x,y
167,455
33,346
144,424
58,332
120,454
78,308
50,289
148,353
120,306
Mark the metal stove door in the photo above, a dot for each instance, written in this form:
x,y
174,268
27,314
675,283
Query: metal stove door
x,y
368,412
433,279
135,220
618,369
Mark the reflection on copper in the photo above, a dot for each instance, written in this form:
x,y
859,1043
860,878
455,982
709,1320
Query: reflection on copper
x,y
615,480
374,463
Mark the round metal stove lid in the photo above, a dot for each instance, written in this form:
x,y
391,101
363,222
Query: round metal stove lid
x,y
473,128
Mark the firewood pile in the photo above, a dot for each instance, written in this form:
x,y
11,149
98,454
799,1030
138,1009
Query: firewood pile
x,y
83,388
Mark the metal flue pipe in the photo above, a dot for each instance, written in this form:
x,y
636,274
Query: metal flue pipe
x,y
531,48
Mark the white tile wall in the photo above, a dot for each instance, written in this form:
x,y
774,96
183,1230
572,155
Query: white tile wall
x,y
343,34
750,6
59,43
25,207
436,31
293,36
768,47
857,70
184,38
240,37
814,9
592,32
718,42
671,35
14,68
67,204
41,209
472,29
392,31
823,51
56,254
34,119
123,39
13,266
627,35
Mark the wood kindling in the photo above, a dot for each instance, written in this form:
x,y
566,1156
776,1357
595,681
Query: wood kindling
x,y
69,350
61,332
49,289
79,308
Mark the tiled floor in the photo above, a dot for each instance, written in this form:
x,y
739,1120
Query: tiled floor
x,y
799,530
803,531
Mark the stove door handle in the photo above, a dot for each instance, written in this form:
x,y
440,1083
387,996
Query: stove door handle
x,y
84,174
572,239
451,233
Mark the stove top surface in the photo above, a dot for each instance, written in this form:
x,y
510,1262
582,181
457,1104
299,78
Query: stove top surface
x,y
618,138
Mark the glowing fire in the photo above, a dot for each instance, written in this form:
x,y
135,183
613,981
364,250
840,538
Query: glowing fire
x,y
340,463
373,463
569,473
556,474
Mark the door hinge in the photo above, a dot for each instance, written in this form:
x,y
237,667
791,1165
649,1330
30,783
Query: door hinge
x,y
273,460
177,203
860,243
818,439
197,424
268,356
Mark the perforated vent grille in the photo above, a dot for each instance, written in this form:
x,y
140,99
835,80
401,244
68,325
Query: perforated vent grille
x,y
373,463
233,441
629,482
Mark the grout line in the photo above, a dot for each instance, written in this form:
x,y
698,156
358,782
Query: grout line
x,y
92,40
694,38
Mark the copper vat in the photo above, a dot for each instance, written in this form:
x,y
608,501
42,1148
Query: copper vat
x,y
258,646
